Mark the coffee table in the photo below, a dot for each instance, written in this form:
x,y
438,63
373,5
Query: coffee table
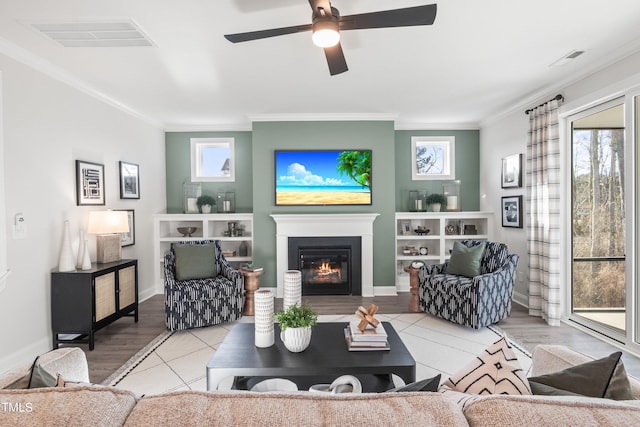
x,y
326,358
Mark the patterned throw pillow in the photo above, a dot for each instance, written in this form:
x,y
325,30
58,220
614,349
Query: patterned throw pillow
x,y
495,371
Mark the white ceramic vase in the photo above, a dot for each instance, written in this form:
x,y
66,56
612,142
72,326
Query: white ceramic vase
x,y
292,289
80,257
66,261
296,339
86,258
263,308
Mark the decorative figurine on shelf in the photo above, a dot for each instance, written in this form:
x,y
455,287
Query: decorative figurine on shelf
x,y
367,317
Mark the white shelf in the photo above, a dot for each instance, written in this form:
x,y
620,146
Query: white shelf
x,y
209,227
437,240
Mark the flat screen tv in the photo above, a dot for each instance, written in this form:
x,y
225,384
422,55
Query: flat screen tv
x,y
323,177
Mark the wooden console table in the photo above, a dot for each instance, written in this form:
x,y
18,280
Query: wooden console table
x,y
84,301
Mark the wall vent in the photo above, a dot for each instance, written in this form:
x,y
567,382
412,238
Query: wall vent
x,y
93,33
566,58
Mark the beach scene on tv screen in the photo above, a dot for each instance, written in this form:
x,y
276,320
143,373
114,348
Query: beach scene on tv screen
x,y
323,177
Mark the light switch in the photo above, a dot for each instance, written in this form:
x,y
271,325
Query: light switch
x,y
20,227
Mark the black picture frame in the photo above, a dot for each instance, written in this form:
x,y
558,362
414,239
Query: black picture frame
x,y
129,180
512,211
129,238
512,171
89,183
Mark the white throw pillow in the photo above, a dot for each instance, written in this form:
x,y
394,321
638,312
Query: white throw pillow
x,y
495,371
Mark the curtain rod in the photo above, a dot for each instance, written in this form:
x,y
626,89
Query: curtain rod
x,y
558,97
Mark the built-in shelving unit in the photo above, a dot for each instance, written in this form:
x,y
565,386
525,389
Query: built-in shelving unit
x,y
208,226
444,229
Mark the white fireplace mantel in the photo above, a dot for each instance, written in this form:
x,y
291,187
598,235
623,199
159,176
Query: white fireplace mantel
x,y
317,225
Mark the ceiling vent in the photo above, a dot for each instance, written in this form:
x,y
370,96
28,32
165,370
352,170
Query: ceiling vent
x,y
79,33
568,57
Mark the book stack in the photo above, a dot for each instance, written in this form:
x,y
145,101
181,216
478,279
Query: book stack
x,y
371,339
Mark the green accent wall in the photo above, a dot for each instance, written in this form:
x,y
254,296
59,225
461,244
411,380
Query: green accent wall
x,y
391,178
467,168
377,136
178,151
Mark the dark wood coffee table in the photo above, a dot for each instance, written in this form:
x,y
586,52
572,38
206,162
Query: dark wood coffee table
x,y
326,358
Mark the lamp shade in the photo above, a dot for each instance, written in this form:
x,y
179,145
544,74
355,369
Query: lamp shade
x,y
107,222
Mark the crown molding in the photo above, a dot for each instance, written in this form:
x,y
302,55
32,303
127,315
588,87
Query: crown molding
x,y
214,127
437,126
45,67
322,117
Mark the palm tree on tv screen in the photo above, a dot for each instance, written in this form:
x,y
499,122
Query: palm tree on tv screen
x,y
357,165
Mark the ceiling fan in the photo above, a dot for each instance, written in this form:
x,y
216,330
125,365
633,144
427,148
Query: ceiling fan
x,y
326,24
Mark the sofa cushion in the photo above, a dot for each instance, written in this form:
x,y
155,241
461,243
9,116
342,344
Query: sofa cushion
x,y
604,377
195,261
465,261
192,408
78,406
495,371
509,411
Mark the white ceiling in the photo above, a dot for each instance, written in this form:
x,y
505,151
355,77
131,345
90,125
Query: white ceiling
x,y
479,58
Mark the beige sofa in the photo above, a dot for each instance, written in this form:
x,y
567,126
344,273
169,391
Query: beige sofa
x,y
81,405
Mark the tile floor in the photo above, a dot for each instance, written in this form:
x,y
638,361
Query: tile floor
x,y
437,346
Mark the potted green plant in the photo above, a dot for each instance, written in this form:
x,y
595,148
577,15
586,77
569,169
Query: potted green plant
x,y
205,203
295,326
436,201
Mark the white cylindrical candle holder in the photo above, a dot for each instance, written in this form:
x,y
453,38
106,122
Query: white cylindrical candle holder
x,y
292,288
264,329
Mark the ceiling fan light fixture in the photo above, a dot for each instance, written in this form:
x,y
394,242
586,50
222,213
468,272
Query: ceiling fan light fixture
x,y
325,33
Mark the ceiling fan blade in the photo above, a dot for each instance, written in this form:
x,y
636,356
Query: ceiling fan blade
x,y
263,34
407,17
335,59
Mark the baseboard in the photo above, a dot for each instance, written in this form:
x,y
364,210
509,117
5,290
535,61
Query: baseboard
x,y
25,355
521,299
385,291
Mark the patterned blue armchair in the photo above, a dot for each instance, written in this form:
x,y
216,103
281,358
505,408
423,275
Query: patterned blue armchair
x,y
202,301
476,302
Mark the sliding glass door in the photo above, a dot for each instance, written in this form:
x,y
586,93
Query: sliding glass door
x,y
598,221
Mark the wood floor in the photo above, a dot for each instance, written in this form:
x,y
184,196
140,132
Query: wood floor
x,y
118,342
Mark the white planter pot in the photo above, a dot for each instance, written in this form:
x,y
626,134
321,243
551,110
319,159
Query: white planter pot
x,y
436,207
296,339
206,209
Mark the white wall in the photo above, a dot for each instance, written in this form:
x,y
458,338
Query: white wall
x,y
507,135
47,126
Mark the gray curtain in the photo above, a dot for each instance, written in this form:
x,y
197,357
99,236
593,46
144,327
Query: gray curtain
x,y
543,213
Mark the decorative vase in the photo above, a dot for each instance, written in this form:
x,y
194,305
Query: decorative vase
x,y
296,339
264,329
86,259
80,258
66,261
436,207
292,289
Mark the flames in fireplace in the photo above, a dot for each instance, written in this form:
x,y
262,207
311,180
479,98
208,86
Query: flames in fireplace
x,y
325,272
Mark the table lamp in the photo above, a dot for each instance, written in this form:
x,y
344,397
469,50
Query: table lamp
x,y
107,225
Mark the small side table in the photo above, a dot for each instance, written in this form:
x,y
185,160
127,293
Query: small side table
x,y
414,306
251,285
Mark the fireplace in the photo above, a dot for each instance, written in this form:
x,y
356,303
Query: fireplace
x,y
329,265
325,225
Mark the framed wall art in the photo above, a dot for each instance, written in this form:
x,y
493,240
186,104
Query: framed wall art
x,y
512,211
89,183
433,157
512,171
129,238
129,180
